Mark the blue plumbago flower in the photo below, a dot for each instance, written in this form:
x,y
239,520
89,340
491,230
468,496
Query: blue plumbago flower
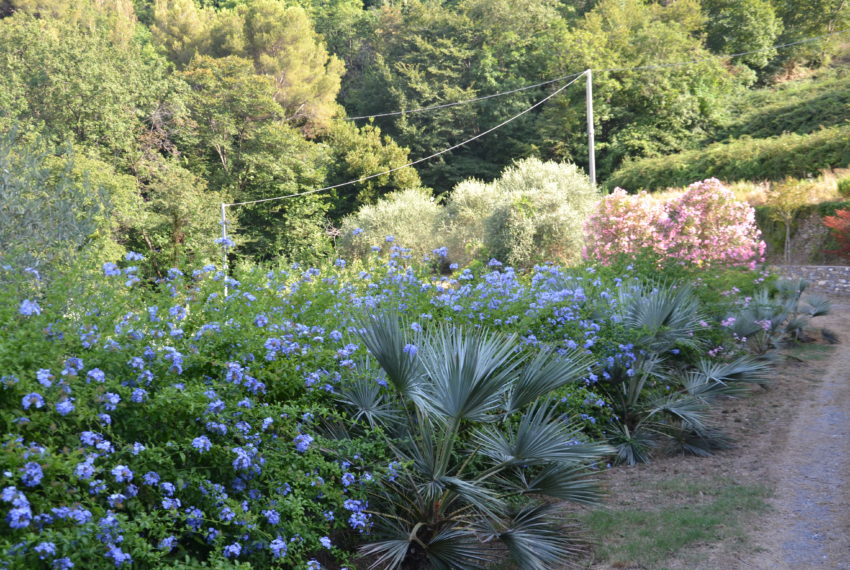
x,y
118,555
167,488
174,273
33,399
226,514
45,549
278,547
168,543
272,516
29,308
137,448
302,442
348,479
170,503
329,515
202,443
215,407
110,400
45,378
261,321
139,395
116,499
62,563
32,474
110,269
233,550
96,374
151,478
313,564
326,542
225,242
266,423
441,252
178,312
122,474
133,256
357,231
410,349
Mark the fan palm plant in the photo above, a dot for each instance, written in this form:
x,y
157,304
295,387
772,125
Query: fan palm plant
x,y
658,402
466,412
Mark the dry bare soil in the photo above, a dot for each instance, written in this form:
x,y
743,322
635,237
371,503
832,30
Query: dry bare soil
x,y
779,499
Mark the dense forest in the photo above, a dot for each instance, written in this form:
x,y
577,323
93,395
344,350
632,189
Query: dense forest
x,y
126,123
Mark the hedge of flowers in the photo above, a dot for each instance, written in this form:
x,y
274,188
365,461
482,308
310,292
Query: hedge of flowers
x,y
705,224
156,422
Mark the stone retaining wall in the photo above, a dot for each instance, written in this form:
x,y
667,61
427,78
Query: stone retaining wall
x,y
831,279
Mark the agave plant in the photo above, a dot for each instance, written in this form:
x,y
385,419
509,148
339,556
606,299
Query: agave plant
x,y
466,412
659,404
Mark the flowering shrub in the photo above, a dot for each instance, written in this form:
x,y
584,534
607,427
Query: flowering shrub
x,y
157,423
705,224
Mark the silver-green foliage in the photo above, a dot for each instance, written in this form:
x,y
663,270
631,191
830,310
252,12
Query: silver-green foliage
x,y
540,213
467,415
660,405
534,212
409,216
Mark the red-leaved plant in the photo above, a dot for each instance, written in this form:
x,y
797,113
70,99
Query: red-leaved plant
x,y
839,225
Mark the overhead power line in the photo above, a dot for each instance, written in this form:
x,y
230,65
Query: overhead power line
x,y
602,70
418,161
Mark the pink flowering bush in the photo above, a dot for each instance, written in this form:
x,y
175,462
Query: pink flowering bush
x,y
705,224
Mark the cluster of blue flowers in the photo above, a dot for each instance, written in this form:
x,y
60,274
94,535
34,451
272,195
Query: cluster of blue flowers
x,y
201,410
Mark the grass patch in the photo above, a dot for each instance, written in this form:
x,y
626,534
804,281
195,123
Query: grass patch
x,y
685,512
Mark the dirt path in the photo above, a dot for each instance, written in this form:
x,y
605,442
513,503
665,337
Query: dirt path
x,y
809,526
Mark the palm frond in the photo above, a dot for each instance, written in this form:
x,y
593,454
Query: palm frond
x,y
539,437
536,540
566,483
668,314
703,443
385,339
368,402
818,305
455,547
467,372
742,370
390,554
689,410
632,446
548,371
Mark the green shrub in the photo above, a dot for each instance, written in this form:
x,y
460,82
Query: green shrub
x,y
540,214
409,217
467,209
800,107
771,158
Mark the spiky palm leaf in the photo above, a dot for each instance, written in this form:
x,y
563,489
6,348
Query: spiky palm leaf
x,y
818,305
535,539
365,397
467,372
540,437
668,314
632,446
547,372
385,338
566,483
